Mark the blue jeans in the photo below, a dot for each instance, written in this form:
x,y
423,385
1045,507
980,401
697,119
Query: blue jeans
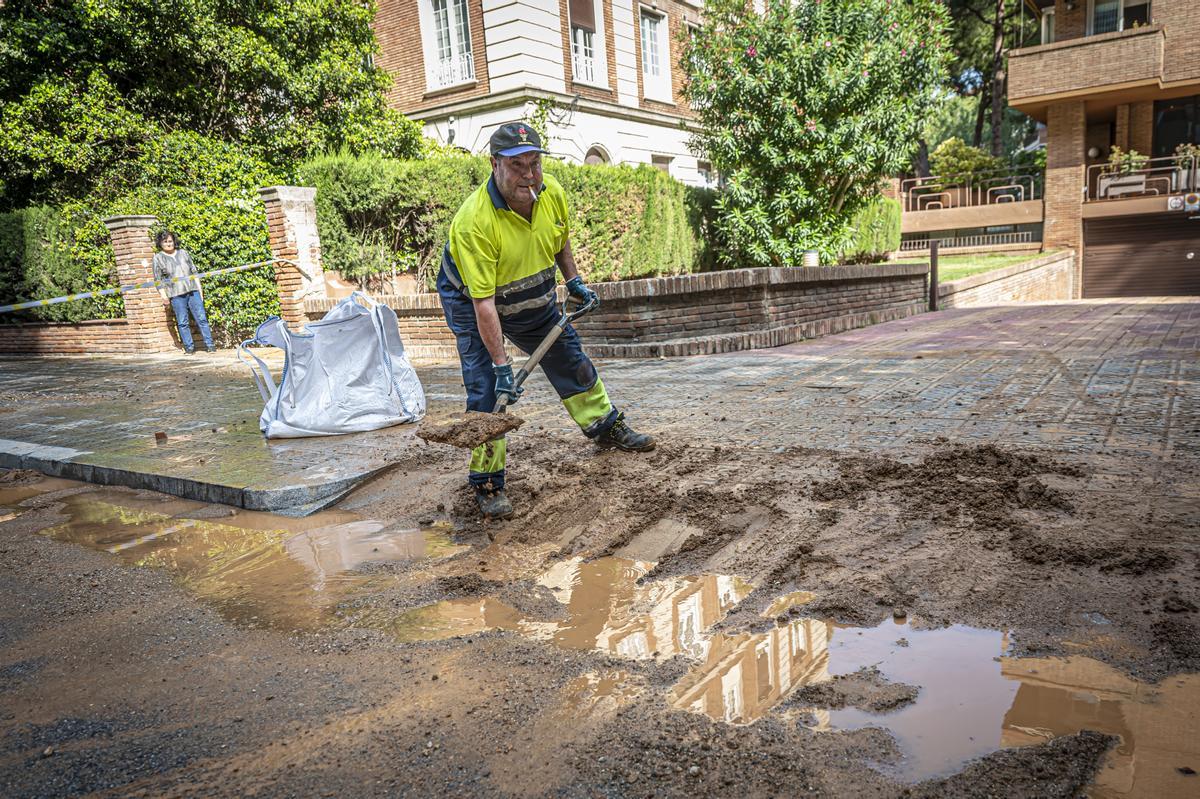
x,y
192,302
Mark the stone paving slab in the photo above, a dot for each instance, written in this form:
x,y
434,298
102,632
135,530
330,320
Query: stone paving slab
x,y
1116,382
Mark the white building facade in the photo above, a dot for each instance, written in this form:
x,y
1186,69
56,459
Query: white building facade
x,y
607,72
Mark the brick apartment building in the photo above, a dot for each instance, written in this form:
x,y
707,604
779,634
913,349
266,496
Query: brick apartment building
x,y
610,67
1118,73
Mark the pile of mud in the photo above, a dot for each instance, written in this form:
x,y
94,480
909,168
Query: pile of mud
x,y
866,689
472,430
954,533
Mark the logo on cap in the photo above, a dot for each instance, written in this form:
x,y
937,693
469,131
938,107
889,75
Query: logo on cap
x,y
524,134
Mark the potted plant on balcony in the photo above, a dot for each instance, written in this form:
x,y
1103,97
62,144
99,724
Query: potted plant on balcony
x,y
957,167
1124,174
1187,162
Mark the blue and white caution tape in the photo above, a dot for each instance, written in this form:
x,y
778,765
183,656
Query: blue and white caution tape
x,y
20,306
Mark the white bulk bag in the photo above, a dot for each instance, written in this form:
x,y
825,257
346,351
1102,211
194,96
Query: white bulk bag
x,y
344,374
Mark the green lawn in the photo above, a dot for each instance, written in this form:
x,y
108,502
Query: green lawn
x,y
952,267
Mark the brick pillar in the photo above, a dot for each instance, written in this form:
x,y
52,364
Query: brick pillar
x,y
292,224
1141,127
1066,129
148,317
1121,137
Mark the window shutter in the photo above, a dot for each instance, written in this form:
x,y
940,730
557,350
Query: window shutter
x,y
583,15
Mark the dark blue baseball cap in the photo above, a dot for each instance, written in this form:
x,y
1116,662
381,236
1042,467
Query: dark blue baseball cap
x,y
515,138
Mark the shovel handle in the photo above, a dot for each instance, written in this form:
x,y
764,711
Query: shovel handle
x,y
542,348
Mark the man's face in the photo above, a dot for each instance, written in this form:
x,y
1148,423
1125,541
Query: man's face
x,y
516,174
168,244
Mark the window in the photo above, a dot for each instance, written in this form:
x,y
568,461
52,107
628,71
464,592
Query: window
x,y
656,58
1176,122
583,40
1106,16
1048,26
662,162
707,176
448,51
1136,15
595,155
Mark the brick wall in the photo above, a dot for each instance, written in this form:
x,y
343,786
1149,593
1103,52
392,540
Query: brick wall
x,y
66,338
698,314
1181,19
1042,279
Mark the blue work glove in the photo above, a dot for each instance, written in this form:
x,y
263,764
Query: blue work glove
x,y
504,383
579,290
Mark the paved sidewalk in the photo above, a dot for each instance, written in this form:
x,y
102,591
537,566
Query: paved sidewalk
x,y
1115,381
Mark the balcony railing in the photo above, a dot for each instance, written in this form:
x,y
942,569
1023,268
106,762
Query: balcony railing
x,y
964,191
584,67
980,240
1158,176
453,70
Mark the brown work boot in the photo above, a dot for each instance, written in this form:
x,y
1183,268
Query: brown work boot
x,y
493,504
624,437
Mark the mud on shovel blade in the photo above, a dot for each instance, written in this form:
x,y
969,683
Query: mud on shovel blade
x,y
536,358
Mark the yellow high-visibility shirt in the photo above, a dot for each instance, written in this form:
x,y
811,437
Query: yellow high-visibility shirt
x,y
496,252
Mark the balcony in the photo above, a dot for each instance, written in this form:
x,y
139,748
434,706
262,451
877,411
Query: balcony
x,y
988,199
1110,191
452,71
1086,66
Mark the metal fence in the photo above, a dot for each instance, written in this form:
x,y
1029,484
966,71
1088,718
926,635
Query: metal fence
x,y
938,192
981,240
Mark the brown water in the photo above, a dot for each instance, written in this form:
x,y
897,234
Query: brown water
x,y
265,570
255,568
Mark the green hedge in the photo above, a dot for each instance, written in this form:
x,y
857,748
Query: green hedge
x,y
203,189
36,262
876,232
377,214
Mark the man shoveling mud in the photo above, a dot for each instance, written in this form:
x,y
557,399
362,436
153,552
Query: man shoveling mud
x,y
498,279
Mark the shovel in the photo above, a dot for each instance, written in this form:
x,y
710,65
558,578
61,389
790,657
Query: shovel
x,y
547,343
478,428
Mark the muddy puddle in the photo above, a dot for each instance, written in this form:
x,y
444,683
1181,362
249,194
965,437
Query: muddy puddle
x,y
967,697
971,697
256,569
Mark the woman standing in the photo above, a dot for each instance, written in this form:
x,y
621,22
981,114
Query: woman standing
x,y
184,295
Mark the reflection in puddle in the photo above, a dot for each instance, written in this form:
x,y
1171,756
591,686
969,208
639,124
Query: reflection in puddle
x,y
972,699
606,610
255,568
788,601
595,691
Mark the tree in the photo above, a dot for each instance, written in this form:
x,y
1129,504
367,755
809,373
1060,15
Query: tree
x,y
84,84
805,108
981,33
